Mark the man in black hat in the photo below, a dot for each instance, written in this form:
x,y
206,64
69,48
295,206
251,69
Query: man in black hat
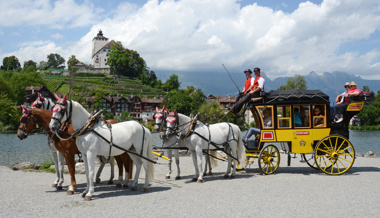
x,y
252,89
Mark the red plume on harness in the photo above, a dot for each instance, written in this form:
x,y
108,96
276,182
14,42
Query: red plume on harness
x,y
40,96
159,112
25,112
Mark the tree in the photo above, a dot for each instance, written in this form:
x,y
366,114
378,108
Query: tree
x,y
43,65
124,116
5,89
211,112
298,82
8,112
366,89
198,97
55,61
20,81
11,63
172,83
30,63
72,61
125,61
370,115
180,101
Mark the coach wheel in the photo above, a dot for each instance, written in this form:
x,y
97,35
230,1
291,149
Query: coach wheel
x,y
310,160
269,159
334,155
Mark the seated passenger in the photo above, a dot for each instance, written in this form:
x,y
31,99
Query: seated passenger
x,y
340,108
318,121
297,117
267,118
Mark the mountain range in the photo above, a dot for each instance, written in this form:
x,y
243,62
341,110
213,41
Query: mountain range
x,y
219,83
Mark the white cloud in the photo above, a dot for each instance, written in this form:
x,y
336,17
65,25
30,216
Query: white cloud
x,y
191,35
56,36
58,14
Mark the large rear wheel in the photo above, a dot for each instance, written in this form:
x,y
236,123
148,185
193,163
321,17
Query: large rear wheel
x,y
334,155
310,160
269,159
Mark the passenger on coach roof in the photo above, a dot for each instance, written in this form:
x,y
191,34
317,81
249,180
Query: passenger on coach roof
x,y
252,89
340,108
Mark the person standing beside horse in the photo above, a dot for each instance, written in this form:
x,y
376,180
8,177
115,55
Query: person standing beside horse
x,y
256,86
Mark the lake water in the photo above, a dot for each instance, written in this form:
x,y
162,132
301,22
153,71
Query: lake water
x,y
34,148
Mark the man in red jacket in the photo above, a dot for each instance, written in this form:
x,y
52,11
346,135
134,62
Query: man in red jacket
x,y
255,87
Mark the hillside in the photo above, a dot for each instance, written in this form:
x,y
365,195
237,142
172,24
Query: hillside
x,y
87,84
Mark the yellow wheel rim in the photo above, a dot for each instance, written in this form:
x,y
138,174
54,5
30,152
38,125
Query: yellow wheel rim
x,y
269,159
334,155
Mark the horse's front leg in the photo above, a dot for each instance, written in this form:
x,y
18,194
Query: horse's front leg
x,y
235,162
61,160
119,163
170,155
84,156
199,152
138,164
176,155
56,165
194,156
90,173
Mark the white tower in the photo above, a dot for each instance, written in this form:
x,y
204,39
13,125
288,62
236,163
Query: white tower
x,y
98,43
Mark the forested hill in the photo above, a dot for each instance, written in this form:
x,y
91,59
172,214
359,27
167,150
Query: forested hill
x,y
220,84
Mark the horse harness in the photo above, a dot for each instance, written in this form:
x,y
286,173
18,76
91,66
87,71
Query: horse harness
x,y
192,128
88,127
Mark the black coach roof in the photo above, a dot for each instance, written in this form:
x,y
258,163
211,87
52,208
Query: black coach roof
x,y
296,95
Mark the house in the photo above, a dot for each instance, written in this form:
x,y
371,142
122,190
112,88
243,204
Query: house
x,y
31,94
149,107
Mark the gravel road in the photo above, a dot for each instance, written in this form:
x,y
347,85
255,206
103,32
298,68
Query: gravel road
x,y
295,191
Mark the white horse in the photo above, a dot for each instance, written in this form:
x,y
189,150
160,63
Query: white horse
x,y
172,141
125,136
199,137
58,158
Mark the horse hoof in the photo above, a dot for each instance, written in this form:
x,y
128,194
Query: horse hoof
x,y
118,185
195,179
167,177
210,173
70,192
134,188
177,178
54,185
87,198
144,190
110,182
226,176
125,186
200,181
83,195
97,180
59,187
232,177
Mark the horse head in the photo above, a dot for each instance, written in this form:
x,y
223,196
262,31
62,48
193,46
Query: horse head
x,y
171,122
59,115
26,124
159,116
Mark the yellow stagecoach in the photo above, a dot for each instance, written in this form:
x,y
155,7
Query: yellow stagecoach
x,y
300,122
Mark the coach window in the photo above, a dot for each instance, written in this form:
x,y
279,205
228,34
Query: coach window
x,y
301,116
284,115
319,115
266,116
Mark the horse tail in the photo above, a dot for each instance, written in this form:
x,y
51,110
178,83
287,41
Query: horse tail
x,y
242,157
149,154
213,160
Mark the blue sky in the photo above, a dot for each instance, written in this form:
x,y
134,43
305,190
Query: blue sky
x,y
283,38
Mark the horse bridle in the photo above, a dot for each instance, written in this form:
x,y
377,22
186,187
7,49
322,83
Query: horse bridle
x,y
158,115
62,111
25,119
